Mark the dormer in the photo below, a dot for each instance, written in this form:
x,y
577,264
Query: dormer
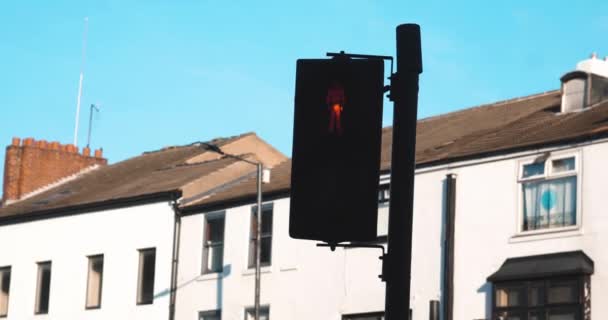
x,y
585,86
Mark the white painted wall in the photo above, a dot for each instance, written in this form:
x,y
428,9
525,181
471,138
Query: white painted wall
x,y
304,281
67,241
486,227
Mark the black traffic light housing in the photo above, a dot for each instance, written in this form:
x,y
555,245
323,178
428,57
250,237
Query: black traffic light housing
x,y
336,149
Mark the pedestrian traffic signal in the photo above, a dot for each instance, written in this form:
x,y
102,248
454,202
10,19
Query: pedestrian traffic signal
x,y
336,149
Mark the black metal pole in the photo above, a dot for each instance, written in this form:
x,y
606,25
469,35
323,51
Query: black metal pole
x,y
404,93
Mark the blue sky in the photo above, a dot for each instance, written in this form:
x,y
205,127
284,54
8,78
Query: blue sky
x,y
175,72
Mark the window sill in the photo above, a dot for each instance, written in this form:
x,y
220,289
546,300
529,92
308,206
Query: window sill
x,y
573,231
264,269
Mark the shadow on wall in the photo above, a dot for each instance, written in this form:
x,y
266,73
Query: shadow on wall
x,y
220,286
225,273
486,289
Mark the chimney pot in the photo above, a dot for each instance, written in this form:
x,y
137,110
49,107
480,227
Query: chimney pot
x,y
28,141
98,153
16,142
86,151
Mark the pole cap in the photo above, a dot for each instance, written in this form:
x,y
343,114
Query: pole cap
x,y
409,51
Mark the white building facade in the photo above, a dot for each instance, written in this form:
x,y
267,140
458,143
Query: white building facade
x,y
67,244
303,281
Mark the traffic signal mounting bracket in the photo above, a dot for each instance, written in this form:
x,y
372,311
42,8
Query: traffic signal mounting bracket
x,y
383,257
360,56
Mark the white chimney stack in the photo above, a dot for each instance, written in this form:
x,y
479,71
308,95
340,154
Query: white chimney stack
x,y
587,85
594,65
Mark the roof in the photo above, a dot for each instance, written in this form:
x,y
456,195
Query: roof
x,y
500,128
246,190
544,266
161,172
497,128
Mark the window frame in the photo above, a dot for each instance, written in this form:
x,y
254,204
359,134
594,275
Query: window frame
x,y
38,297
252,309
251,241
544,305
205,252
3,270
141,256
548,175
213,313
355,316
90,260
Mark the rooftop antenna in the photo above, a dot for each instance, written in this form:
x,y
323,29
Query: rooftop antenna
x,y
82,62
96,108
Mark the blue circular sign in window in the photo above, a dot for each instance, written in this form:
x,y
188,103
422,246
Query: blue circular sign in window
x,y
548,199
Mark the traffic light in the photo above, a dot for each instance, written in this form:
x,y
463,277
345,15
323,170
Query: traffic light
x,y
336,149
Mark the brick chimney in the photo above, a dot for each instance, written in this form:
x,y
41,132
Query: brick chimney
x,y
31,164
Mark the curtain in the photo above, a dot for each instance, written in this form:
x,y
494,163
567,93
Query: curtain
x,y
549,204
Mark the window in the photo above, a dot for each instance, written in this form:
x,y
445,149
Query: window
x,y
549,193
213,243
264,312
383,202
265,236
549,299
43,288
210,315
94,282
364,316
145,283
5,285
384,194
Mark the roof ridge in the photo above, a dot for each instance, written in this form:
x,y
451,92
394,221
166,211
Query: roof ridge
x,y
199,143
492,104
485,105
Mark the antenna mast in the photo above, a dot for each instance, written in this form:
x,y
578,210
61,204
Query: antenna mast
x,y
96,108
84,51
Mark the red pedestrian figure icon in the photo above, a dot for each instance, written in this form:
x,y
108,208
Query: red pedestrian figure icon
x,y
335,102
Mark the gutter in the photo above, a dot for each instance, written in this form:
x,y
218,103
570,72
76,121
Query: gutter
x,y
505,154
233,202
88,207
447,290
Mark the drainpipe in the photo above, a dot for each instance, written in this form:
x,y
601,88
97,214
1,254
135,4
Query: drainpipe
x,y
174,258
448,253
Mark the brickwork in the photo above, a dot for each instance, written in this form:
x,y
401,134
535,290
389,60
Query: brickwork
x,y
32,164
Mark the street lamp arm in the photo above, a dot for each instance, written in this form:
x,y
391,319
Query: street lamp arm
x,y
215,148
